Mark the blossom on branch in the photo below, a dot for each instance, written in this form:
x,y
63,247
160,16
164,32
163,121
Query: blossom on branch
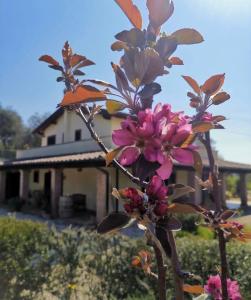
x,y
158,135
213,288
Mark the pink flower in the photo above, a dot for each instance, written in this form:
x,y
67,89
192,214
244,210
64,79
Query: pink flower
x,y
156,189
213,288
135,203
161,208
237,225
207,117
158,135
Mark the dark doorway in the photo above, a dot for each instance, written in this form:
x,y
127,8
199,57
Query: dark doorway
x,y
12,184
47,190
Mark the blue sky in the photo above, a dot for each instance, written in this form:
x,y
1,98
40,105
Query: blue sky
x,y
31,28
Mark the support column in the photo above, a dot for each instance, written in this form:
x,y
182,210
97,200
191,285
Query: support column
x,y
2,186
243,190
223,189
100,196
56,188
195,197
24,184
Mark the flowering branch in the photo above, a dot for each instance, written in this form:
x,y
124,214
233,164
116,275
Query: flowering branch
x,y
102,146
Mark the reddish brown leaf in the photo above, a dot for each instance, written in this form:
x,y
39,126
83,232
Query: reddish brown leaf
x,y
213,84
219,118
113,222
193,289
159,11
187,36
181,208
131,11
76,59
191,95
176,61
220,98
201,127
110,156
188,141
48,59
227,214
193,84
195,102
118,46
82,94
198,165
86,63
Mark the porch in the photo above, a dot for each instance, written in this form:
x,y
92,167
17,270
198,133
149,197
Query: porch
x,y
41,182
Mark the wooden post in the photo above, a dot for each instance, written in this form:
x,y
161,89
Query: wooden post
x,y
195,197
24,184
2,186
100,196
243,190
56,189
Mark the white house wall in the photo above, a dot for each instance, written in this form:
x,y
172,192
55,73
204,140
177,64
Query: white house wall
x,y
81,181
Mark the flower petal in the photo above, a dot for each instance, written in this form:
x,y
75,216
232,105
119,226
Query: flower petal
x,y
129,156
181,134
183,156
122,137
166,169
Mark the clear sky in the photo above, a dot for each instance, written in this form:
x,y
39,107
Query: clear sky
x,y
30,28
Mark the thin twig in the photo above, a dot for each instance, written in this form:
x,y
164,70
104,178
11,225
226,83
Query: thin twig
x,y
95,136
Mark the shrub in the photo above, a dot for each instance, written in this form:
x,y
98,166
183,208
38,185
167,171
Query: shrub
x,y
39,263
24,263
15,203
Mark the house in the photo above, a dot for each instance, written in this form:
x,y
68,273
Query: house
x,y
69,162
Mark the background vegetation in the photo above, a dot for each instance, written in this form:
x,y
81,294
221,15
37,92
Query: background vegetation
x,y
37,262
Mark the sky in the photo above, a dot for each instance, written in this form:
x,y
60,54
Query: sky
x,y
30,28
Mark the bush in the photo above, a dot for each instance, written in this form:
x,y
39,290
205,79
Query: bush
x,y
15,203
24,263
41,263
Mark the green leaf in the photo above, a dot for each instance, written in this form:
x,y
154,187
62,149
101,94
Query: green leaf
x,y
113,222
187,36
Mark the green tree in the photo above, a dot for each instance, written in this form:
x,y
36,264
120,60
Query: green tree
x,y
11,129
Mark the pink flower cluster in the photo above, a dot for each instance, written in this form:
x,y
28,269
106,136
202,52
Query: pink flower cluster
x,y
156,193
158,135
213,288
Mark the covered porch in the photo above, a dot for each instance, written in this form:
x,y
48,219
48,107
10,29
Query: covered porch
x,y
85,179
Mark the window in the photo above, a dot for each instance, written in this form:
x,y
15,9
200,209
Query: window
x,y
78,135
36,176
51,140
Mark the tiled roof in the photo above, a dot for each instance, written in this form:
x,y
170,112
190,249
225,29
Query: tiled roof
x,y
97,158
52,160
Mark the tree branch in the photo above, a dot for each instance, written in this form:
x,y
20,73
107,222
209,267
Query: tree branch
x,y
102,146
218,205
